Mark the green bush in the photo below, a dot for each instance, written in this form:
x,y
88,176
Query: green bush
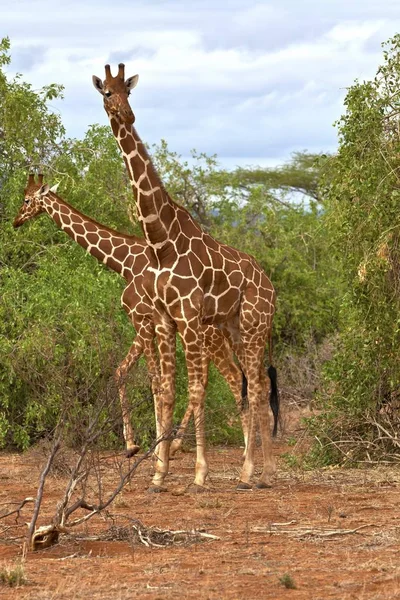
x,y
360,397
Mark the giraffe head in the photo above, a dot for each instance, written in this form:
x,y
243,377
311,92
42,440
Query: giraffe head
x,y
33,200
115,92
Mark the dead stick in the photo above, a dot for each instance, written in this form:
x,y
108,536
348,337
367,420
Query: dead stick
x,y
39,495
18,509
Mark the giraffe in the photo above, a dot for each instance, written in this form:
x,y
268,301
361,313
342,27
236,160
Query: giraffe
x,y
129,256
196,280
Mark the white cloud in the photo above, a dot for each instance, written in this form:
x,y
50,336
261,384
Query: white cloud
x,y
252,80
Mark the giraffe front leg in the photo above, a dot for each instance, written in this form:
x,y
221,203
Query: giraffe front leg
x,y
177,442
153,368
191,331
253,355
120,377
218,349
166,338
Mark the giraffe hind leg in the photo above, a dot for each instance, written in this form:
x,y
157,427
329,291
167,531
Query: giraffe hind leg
x,y
120,377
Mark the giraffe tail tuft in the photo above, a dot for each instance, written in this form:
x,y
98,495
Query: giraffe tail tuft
x,y
274,397
245,403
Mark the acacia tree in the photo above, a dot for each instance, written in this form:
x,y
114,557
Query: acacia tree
x,y
362,390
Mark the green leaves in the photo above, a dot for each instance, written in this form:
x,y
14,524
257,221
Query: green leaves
x,y
362,191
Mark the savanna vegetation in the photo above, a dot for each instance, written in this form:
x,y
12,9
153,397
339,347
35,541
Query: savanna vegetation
x,y
324,228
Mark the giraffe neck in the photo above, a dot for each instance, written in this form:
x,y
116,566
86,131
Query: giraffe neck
x,y
156,210
116,250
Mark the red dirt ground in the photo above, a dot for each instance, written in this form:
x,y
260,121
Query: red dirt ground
x,y
254,552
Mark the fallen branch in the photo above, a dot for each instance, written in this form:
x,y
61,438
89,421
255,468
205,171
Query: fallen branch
x,y
308,531
152,536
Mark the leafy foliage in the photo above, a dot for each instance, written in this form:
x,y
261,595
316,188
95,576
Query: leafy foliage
x,y
362,191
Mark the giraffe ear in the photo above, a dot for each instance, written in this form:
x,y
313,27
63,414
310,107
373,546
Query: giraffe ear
x,y
98,84
131,82
44,189
54,188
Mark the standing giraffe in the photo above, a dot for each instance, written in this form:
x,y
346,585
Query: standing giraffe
x,y
196,280
129,256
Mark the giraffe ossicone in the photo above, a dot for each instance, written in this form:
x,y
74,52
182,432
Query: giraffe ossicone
x,y
196,280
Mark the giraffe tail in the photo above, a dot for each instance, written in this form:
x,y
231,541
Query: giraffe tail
x,y
274,393
245,403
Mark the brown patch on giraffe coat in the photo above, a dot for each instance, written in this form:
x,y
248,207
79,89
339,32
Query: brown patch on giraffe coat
x,y
114,126
113,264
140,263
211,243
90,227
92,238
197,247
106,246
79,229
182,267
182,243
197,265
210,308
228,303
121,252
221,284
217,261
97,253
166,213
125,144
171,296
235,278
190,336
157,231
69,231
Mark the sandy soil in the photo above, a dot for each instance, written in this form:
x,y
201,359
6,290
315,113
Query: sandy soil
x,y
332,533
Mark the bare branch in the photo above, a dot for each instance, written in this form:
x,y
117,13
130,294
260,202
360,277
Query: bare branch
x,y
39,495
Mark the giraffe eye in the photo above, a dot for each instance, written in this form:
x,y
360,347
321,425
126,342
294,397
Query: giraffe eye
x,y
26,200
108,94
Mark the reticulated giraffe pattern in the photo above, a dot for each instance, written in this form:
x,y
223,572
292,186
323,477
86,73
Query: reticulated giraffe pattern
x,y
131,257
195,281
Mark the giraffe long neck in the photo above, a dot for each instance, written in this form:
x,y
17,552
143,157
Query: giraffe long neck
x,y
156,210
113,249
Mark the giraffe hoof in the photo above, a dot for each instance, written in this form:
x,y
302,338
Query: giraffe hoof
x,y
243,487
132,451
194,488
262,485
156,489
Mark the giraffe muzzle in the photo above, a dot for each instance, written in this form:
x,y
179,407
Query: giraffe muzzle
x,y
17,222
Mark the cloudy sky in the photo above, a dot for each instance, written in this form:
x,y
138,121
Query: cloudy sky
x,y
251,80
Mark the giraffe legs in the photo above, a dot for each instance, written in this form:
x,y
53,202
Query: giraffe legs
x,y
166,338
258,406
266,440
217,350
143,344
177,442
234,377
121,373
191,332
